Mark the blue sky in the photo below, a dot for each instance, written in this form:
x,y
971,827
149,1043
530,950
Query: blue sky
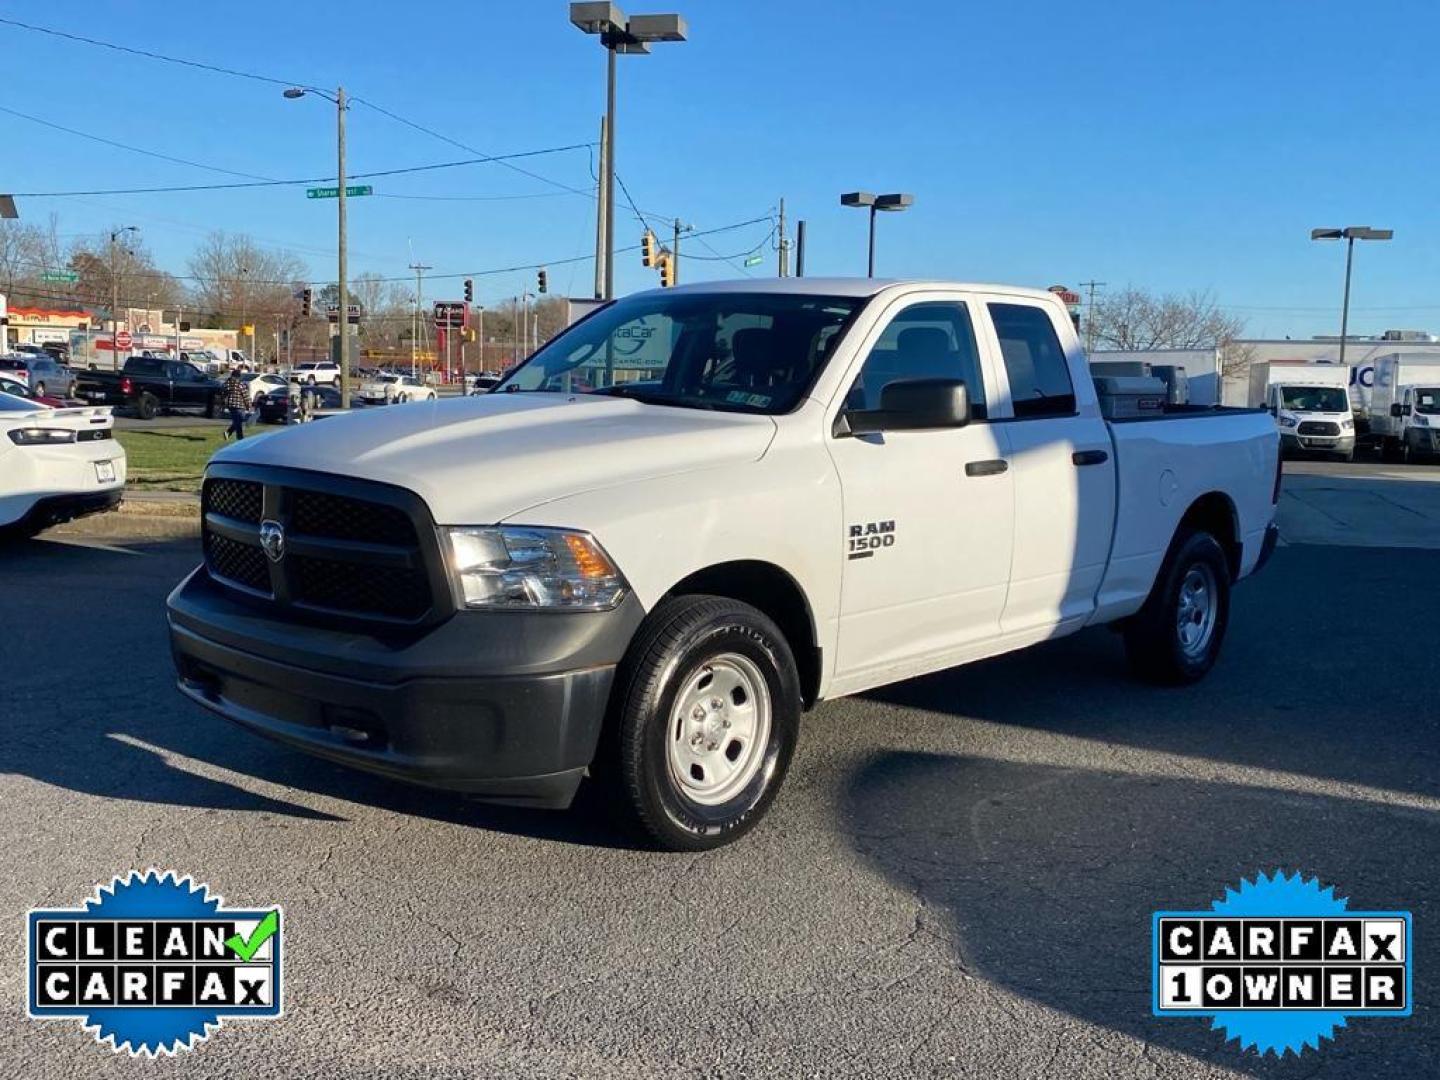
x,y
1175,146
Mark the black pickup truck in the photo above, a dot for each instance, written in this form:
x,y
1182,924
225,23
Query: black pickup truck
x,y
149,384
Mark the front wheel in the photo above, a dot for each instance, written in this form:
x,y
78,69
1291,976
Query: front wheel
x,y
704,721
1175,638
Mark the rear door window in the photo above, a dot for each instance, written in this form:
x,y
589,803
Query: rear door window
x,y
1034,361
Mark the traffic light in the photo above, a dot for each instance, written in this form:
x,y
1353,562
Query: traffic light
x,y
648,254
469,290
307,300
543,280
666,262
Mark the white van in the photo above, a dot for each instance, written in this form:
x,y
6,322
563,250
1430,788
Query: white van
x,y
1311,406
1405,406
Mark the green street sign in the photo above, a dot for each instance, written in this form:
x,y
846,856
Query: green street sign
x,y
754,260
334,192
68,276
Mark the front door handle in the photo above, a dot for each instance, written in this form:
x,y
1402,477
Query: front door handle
x,y
1089,457
993,467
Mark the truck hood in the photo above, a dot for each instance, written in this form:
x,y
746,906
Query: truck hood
x,y
479,460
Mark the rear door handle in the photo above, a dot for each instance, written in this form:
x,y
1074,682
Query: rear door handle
x,y
993,467
1089,457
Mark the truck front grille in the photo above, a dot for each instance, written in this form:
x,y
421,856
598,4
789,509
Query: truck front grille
x,y
1319,427
368,552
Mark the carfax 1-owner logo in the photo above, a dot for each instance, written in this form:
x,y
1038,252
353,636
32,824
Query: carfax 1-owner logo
x,y
1281,964
153,963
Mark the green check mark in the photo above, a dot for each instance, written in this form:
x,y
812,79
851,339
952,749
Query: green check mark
x,y
244,948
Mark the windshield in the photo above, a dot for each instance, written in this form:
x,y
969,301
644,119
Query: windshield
x,y
1314,399
739,352
1427,400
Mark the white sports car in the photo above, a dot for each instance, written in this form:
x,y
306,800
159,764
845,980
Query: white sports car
x,y
55,464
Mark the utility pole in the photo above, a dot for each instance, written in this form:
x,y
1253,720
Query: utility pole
x,y
1090,287
419,269
601,247
115,291
679,227
783,250
610,173
344,321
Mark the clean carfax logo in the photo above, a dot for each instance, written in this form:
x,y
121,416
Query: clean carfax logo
x,y
1280,963
152,963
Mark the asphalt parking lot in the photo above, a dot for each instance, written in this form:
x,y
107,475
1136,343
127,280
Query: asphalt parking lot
x,y
956,881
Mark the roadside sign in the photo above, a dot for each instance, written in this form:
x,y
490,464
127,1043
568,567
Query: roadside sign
x,y
754,260
351,190
123,340
67,276
352,314
451,314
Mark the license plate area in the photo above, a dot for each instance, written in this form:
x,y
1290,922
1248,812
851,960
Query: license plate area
x,y
105,471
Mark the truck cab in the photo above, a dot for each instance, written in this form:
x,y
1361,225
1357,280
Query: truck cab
x,y
1416,422
1312,417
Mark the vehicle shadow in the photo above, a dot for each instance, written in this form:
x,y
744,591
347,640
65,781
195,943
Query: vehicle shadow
x,y
1302,685
106,719
1042,880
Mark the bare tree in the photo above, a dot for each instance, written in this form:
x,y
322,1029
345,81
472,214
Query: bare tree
x,y
140,282
236,279
1137,319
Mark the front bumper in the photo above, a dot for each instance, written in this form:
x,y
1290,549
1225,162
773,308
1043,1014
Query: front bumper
x,y
505,706
1291,443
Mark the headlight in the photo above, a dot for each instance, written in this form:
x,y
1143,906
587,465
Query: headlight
x,y
1347,425
517,567
1288,421
39,436
1418,420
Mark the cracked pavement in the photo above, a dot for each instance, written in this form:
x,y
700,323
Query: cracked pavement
x,y
956,881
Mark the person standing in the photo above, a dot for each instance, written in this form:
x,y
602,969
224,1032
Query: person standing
x,y
236,399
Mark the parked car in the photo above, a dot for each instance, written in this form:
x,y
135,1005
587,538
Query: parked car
x,y
40,370
828,486
321,372
395,388
55,464
148,384
274,406
21,390
259,385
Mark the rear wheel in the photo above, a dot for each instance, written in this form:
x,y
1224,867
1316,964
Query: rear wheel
x,y
147,406
704,721
1175,638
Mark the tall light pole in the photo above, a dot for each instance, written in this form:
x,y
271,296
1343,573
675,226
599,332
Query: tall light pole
x,y
343,320
628,34
115,235
1349,234
892,203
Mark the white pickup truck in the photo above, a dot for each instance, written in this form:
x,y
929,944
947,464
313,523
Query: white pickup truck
x,y
692,515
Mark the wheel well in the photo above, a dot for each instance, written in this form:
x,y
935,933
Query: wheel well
x,y
1215,514
765,586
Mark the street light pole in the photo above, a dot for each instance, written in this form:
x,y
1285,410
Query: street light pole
x,y
870,266
1349,234
618,33
894,202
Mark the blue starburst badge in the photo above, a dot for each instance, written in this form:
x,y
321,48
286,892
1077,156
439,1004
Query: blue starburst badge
x,y
152,963
1279,964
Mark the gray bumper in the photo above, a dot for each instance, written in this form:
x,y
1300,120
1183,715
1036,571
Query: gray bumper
x,y
506,706
1290,443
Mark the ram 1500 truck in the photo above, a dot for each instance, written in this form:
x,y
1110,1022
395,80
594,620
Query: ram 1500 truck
x,y
692,515
148,384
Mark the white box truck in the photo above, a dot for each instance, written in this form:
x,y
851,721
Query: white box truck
x,y
1310,403
1405,406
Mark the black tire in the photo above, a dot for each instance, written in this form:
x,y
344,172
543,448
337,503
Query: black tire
x,y
147,406
210,407
1155,640
670,652
1389,449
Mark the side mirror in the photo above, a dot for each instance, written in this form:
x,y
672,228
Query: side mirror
x,y
1396,409
911,405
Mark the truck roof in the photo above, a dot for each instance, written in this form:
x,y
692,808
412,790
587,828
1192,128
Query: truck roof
x,y
842,286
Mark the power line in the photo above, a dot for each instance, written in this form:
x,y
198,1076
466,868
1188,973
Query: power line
x,y
214,68
496,158
127,146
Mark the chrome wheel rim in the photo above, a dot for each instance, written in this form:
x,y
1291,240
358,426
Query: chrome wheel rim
x,y
719,728
1196,613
